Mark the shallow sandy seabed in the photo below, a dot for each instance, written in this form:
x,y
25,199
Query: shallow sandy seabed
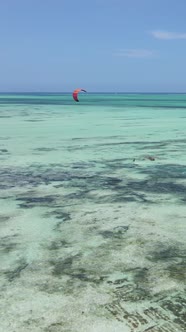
x,y
92,232
109,267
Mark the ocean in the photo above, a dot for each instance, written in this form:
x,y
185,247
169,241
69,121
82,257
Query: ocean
x,y
93,213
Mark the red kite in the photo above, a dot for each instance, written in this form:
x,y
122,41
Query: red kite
x,y
75,94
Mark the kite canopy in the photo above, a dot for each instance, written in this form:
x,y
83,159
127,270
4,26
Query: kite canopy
x,y
75,94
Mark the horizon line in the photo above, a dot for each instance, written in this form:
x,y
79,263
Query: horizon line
x,y
91,92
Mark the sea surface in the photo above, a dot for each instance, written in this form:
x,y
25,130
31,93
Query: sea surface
x,y
93,213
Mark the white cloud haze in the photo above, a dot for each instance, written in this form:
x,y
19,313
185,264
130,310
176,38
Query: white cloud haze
x,y
166,35
134,53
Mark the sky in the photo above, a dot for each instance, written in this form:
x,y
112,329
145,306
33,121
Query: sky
x,y
98,45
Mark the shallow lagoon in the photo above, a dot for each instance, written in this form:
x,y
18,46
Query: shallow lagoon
x,y
92,230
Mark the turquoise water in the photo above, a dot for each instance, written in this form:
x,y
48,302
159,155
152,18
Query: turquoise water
x,y
93,212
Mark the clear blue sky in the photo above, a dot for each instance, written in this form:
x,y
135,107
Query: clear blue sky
x,y
100,45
